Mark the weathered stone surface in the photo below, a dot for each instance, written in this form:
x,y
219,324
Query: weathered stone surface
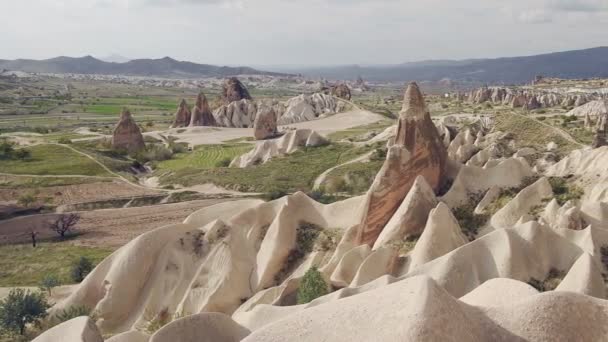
x,y
265,124
342,91
201,113
182,115
418,151
239,114
127,134
233,90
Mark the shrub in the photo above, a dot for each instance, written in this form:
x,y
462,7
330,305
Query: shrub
x,y
64,140
563,191
26,199
49,282
469,221
22,154
73,312
273,195
223,163
20,308
551,281
81,268
312,286
154,153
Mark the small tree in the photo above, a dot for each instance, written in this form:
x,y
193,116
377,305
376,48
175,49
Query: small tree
x,y
65,224
312,286
49,282
20,308
81,268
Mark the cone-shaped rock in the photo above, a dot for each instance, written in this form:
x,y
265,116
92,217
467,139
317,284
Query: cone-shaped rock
x,y
127,135
418,151
201,113
233,90
265,124
182,116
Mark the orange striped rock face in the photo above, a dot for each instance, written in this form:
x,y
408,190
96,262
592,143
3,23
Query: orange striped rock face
x,y
418,151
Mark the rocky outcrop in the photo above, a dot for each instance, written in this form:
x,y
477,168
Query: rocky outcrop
x,y
127,134
265,124
233,90
201,113
529,98
342,91
288,143
308,107
239,114
418,151
182,116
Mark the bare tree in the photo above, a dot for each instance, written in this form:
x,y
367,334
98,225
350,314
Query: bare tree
x,y
64,224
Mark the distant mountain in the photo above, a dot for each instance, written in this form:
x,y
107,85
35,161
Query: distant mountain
x,y
164,67
514,70
114,58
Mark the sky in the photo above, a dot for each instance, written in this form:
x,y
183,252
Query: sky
x,y
299,32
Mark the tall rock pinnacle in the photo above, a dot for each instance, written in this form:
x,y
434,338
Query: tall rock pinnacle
x,y
201,113
127,135
182,116
418,151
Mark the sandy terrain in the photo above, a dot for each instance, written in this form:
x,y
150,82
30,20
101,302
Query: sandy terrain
x,y
216,135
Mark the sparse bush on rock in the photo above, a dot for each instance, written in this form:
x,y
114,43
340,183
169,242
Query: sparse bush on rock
x,y
312,286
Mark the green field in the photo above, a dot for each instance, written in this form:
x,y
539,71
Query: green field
x,y
294,172
52,160
204,157
358,131
529,132
23,265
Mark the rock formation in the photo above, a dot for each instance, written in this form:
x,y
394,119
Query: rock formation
x,y
418,151
233,90
265,124
529,98
127,134
239,114
601,131
308,107
342,91
182,116
201,113
288,143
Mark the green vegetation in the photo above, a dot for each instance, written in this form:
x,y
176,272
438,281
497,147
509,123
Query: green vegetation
x,y
21,308
530,132
291,173
81,268
73,312
205,157
49,282
565,191
551,281
22,265
354,179
53,160
312,286
356,132
406,245
468,221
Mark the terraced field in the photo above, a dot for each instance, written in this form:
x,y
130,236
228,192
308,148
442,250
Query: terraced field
x,y
205,157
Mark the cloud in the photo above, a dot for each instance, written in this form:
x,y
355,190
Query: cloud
x,y
535,16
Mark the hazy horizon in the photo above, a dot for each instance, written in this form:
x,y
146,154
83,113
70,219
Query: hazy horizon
x,y
285,33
